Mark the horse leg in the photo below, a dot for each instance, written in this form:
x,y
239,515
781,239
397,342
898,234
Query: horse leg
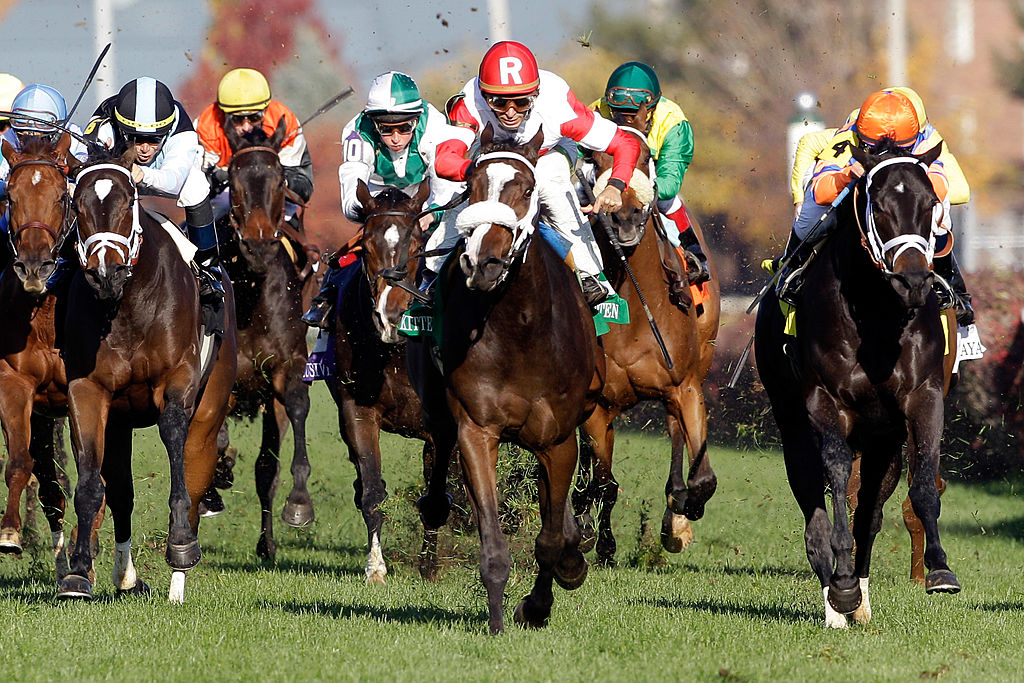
x,y
479,454
212,503
267,471
183,551
557,552
877,483
916,530
298,508
362,436
843,589
583,493
15,414
117,474
89,408
687,423
51,494
601,442
923,436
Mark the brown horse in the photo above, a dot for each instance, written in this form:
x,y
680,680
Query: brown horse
x,y
371,384
521,363
138,357
637,368
33,384
864,374
271,294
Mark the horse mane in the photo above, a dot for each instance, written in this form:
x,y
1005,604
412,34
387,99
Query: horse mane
x,y
509,145
392,195
37,145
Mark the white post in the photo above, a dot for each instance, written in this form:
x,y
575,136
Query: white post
x,y
897,42
497,14
105,83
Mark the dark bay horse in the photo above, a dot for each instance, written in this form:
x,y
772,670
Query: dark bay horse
x,y
33,384
138,356
637,369
271,292
865,375
521,363
371,384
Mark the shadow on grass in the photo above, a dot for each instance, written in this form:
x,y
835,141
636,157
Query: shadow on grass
x,y
472,620
1007,528
730,570
296,565
769,613
1000,606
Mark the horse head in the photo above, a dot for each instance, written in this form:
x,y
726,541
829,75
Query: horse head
x,y
39,207
391,239
638,199
901,217
106,206
502,209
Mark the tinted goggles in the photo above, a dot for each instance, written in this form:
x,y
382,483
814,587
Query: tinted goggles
x,y
255,118
500,103
144,139
403,128
629,98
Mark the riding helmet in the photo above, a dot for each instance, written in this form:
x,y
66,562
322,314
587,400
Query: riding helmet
x,y
887,114
144,106
631,85
41,102
508,68
393,98
10,86
243,91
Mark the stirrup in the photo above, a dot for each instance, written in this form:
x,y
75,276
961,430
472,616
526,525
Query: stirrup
x,y
593,291
319,313
696,268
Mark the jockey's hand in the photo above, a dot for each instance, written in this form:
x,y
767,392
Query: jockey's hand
x,y
856,170
609,200
136,174
426,221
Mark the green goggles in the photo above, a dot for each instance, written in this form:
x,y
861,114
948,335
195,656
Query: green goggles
x,y
628,98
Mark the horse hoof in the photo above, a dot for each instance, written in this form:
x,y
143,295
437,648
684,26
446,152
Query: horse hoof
x,y
183,556
573,581
941,581
266,549
74,587
588,532
376,579
140,588
523,617
10,542
432,515
684,502
676,532
211,504
298,515
844,600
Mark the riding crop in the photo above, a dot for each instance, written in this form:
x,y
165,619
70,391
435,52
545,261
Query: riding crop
x,y
88,81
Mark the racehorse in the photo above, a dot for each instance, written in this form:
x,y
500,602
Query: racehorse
x,y
637,369
138,356
271,294
865,374
371,383
520,362
33,384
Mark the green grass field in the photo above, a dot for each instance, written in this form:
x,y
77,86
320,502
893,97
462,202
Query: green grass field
x,y
739,604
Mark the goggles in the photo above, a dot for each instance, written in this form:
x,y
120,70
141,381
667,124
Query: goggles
x,y
144,139
500,103
403,128
628,98
255,118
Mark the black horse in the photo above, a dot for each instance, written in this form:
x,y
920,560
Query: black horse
x,y
865,375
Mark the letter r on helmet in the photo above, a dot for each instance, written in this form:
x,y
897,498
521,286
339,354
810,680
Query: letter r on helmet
x,y
508,69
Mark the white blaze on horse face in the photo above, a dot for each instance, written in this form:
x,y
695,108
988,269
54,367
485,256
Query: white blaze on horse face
x,y
102,188
900,188
391,236
36,177
499,174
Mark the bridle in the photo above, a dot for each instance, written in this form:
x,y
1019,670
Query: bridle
x,y
65,200
398,274
126,246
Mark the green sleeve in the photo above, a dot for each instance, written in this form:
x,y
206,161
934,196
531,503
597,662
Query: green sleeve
x,y
673,159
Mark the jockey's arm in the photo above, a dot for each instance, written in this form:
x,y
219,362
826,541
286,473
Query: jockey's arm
x,y
357,161
179,155
808,148
450,156
674,158
298,166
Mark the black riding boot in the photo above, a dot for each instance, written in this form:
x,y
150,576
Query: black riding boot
x,y
211,289
947,268
791,279
319,313
696,262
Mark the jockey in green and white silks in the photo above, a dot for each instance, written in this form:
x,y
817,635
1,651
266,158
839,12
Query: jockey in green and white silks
x,y
670,139
392,142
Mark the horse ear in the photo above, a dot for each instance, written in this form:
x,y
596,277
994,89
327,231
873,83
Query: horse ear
x,y
534,145
128,158
862,156
73,166
63,145
277,138
486,136
9,153
363,193
640,117
233,136
929,157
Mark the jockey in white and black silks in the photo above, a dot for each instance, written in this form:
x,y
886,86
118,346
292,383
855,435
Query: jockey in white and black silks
x,y
392,142
517,99
144,116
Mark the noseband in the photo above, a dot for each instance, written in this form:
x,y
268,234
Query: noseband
x,y
900,243
65,201
127,247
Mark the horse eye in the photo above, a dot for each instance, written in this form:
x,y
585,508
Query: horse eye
x,y
528,193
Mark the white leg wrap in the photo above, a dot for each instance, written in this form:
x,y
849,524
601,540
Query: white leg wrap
x,y
124,569
376,569
833,619
58,543
177,593
862,615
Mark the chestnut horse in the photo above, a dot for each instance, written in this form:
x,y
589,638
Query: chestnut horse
x,y
138,356
637,368
520,362
371,384
271,294
33,384
865,374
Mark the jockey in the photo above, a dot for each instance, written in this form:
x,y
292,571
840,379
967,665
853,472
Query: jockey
x,y
392,142
244,101
899,112
10,86
670,139
517,100
144,116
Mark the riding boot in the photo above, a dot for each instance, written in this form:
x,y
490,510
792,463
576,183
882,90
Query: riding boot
x,y
204,236
593,291
696,261
792,278
956,295
320,308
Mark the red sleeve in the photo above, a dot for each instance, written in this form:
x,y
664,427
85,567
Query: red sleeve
x,y
450,160
625,151
624,148
459,115
577,128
